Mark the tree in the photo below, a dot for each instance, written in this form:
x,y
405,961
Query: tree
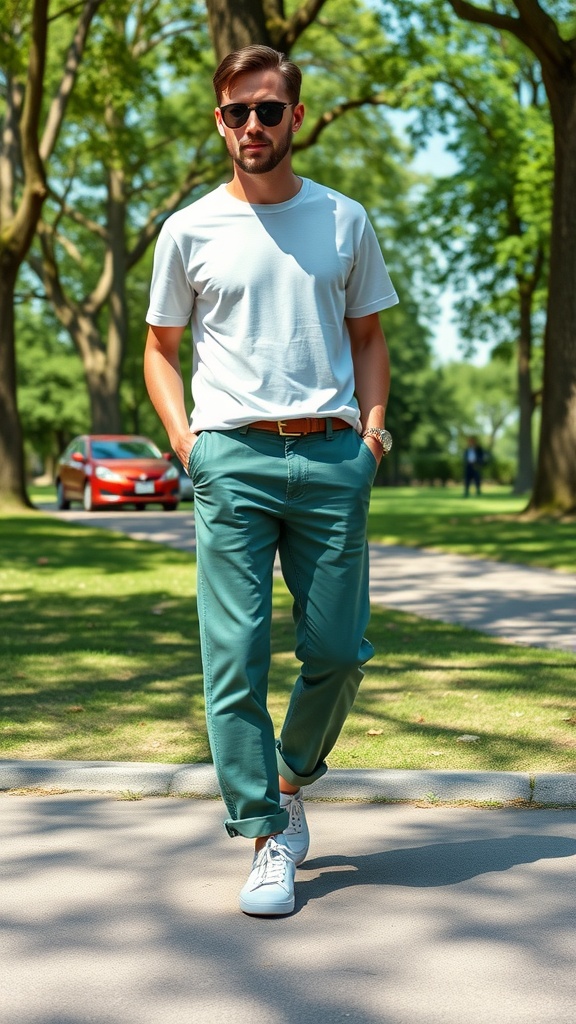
x,y
553,43
23,190
117,174
490,218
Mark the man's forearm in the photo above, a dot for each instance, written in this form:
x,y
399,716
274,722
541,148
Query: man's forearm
x,y
371,374
166,389
372,382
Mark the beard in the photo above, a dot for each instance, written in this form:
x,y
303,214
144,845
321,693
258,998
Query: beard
x,y
263,164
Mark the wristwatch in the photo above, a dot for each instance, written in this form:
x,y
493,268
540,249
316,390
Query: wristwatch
x,y
383,436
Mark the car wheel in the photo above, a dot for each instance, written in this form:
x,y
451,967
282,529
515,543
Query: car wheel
x,y
170,506
61,502
87,502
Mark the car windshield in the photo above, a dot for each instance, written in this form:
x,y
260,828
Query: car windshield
x,y
131,448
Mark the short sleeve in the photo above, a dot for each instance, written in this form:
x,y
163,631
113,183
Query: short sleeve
x,y
369,288
171,294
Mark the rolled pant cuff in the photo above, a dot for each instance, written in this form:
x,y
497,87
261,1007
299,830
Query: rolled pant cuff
x,y
252,828
292,777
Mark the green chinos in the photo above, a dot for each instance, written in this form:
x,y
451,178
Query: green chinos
x,y
306,498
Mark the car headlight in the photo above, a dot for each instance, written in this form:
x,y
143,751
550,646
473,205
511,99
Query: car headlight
x,y
170,474
103,473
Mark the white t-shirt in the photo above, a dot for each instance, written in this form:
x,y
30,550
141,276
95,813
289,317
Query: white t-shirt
x,y
267,289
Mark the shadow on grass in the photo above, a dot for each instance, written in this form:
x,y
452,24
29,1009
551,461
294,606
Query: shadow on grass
x,y
487,527
99,644
34,540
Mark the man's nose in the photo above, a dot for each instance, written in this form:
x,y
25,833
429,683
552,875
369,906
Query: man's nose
x,y
253,123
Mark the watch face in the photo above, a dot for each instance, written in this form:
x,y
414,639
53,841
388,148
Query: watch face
x,y
386,438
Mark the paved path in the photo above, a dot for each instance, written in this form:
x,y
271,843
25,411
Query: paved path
x,y
126,913
536,607
529,606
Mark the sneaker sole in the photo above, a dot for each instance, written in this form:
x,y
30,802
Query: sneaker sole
x,y
267,909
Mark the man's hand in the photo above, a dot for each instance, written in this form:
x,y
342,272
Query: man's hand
x,y
183,447
375,447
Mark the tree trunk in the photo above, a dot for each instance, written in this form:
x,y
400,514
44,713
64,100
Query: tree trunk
x,y
104,403
12,468
525,475
237,23
18,220
101,373
555,486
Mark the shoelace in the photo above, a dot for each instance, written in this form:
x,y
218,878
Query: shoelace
x,y
271,864
295,810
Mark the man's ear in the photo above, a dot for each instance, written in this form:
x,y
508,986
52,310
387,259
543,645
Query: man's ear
x,y
219,124
297,116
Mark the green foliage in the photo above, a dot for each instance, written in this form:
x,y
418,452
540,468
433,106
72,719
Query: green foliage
x,y
489,221
484,400
131,112
52,394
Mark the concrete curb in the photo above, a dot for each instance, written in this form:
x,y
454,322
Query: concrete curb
x,y
199,780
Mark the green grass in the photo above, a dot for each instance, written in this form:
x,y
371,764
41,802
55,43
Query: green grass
x,y
100,659
490,526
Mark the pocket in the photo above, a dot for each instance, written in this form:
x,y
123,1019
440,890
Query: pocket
x,y
371,461
194,455
373,458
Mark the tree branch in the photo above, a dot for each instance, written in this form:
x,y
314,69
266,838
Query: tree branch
x,y
376,100
78,218
24,223
145,46
73,60
10,156
534,27
47,270
157,216
297,24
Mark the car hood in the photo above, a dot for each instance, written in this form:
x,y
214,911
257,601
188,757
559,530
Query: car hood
x,y
135,469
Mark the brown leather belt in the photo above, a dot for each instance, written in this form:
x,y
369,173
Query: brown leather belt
x,y
296,428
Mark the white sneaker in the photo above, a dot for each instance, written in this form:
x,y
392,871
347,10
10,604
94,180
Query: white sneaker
x,y
296,833
269,890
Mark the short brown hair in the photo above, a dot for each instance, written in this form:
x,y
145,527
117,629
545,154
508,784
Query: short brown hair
x,y
257,58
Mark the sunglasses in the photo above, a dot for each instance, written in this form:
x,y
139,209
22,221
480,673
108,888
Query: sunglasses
x,y
269,113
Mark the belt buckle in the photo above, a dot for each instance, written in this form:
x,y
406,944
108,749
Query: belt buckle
x,y
287,433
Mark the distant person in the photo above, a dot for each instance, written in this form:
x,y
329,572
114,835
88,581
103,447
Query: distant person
x,y
474,458
283,280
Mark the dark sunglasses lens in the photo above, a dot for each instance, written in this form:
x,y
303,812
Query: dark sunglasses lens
x,y
236,115
269,114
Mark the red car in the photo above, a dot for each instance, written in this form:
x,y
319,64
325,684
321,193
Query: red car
x,y
99,470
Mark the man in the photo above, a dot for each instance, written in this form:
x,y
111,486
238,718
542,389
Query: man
x,y
282,280
473,462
